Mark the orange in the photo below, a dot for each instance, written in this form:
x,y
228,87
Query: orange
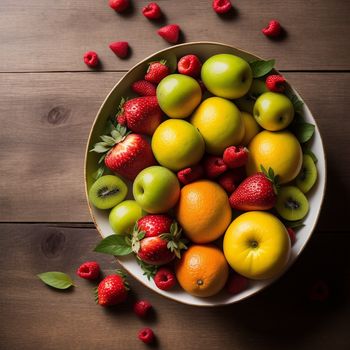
x,y
202,270
203,211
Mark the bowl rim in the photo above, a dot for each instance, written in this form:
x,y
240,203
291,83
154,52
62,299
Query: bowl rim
x,y
86,186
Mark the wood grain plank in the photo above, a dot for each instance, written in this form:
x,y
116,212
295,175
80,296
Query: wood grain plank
x,y
33,316
45,125
53,37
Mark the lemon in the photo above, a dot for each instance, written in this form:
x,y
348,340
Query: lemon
x,y
251,127
177,144
279,150
220,123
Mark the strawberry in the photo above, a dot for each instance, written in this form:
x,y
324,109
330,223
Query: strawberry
x,y
141,115
91,59
90,270
189,65
125,154
157,71
214,166
154,224
236,283
291,234
273,29
119,5
227,181
142,308
143,88
146,335
170,33
256,192
190,174
275,83
221,6
112,290
120,48
152,11
165,279
235,156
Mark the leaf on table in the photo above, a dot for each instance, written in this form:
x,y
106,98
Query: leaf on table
x,y
55,279
117,245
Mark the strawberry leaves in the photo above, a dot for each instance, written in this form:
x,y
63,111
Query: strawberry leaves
x,y
55,279
117,245
270,174
175,242
148,270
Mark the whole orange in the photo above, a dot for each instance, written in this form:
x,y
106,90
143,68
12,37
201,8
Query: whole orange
x,y
203,211
202,270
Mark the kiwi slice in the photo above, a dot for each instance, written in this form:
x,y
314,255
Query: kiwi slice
x,y
107,192
308,174
291,203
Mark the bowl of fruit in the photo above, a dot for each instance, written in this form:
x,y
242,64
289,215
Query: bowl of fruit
x,y
205,173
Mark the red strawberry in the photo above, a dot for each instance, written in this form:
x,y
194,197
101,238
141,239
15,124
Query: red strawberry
x,y
142,308
146,335
257,192
165,279
119,5
120,48
227,181
189,65
273,29
112,290
291,234
190,174
91,59
170,33
143,88
141,115
154,224
221,6
214,166
124,154
236,283
152,11
157,71
235,156
90,270
275,83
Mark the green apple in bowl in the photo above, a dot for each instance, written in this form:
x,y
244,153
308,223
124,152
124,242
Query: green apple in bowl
x,y
227,76
156,189
273,111
178,95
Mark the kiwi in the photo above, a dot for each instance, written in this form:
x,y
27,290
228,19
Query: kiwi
x,y
107,192
291,203
308,174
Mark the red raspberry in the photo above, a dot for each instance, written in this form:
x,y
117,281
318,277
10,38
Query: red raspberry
x,y
221,6
142,308
189,65
318,291
120,48
91,58
157,71
170,33
235,156
190,174
144,88
273,29
291,234
146,335
119,5
227,181
90,270
164,279
214,166
275,83
152,11
236,283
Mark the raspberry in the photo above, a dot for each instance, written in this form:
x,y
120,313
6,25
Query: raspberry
x,y
275,83
170,33
119,5
189,65
190,174
273,29
318,291
90,270
120,48
164,279
142,308
146,335
227,181
214,166
291,234
152,11
221,6
235,156
144,88
91,59
236,283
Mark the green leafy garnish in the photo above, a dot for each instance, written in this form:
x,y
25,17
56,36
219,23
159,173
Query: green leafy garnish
x,y
303,131
117,245
148,270
55,279
297,103
261,67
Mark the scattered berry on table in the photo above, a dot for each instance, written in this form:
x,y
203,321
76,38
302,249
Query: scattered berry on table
x,y
221,6
189,65
119,5
143,88
146,335
273,29
276,83
214,166
235,156
157,71
227,181
120,48
236,283
190,174
90,270
152,11
112,290
142,308
91,59
165,279
170,33
291,234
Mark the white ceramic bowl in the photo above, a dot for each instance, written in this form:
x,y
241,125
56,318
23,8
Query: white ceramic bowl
x,y
204,50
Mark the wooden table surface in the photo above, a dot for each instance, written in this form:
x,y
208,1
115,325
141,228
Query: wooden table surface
x,y
48,100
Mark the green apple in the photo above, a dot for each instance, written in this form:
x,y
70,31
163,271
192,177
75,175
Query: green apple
x,y
156,189
273,111
178,95
227,76
257,88
123,217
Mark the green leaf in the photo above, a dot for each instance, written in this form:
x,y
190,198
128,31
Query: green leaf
x,y
261,68
58,280
99,172
148,270
297,103
110,141
117,245
102,158
303,131
100,147
311,154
